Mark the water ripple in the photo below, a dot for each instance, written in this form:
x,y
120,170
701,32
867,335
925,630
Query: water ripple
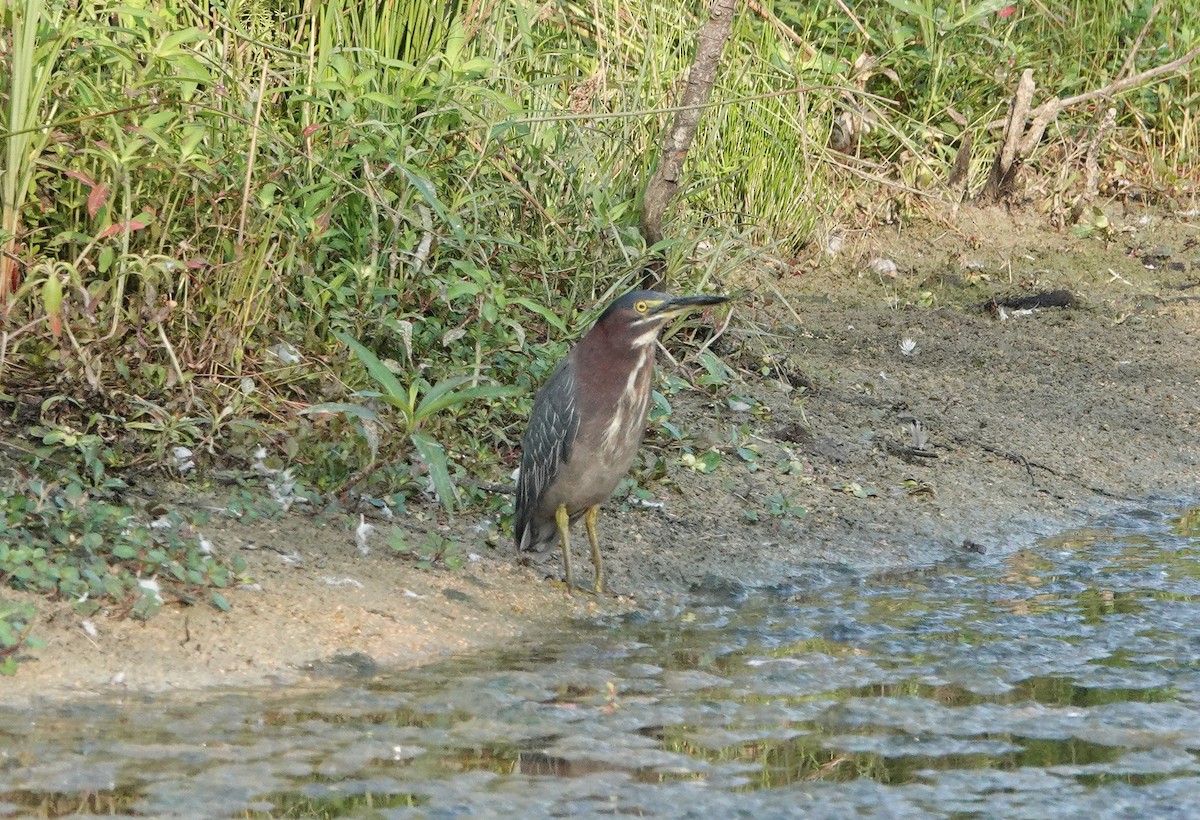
x,y
1057,681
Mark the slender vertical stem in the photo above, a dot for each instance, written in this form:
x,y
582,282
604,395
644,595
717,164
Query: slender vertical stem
x,y
258,107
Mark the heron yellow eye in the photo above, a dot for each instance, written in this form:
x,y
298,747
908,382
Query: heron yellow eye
x,y
641,307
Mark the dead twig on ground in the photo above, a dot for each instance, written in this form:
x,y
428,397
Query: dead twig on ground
x,y
1018,141
1030,466
1102,125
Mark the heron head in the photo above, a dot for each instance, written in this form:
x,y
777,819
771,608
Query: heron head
x,y
641,314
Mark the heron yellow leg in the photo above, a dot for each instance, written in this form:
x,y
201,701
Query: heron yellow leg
x,y
564,537
589,519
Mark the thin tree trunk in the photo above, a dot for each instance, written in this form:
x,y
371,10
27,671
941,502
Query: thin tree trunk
x,y
663,185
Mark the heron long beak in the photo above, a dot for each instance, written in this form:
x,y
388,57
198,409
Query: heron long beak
x,y
679,305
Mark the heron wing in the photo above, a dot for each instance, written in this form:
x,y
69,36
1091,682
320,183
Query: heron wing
x,y
546,447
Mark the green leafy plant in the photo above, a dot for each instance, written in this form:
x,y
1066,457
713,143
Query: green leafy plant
x,y
16,624
416,405
67,535
793,466
434,550
706,462
1093,223
64,542
777,505
249,504
93,453
855,489
660,416
717,374
750,455
31,75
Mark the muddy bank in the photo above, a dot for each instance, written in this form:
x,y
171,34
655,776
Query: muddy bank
x,y
314,609
878,417
925,423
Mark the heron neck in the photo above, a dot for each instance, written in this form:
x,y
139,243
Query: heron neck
x,y
606,359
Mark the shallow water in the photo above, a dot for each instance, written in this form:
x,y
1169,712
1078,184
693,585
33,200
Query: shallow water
x,y
1059,681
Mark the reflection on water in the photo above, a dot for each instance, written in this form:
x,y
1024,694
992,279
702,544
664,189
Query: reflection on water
x,y
1058,681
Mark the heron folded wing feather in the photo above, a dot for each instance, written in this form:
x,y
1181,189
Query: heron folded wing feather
x,y
547,446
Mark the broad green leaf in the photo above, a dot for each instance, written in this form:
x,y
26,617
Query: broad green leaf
x,y
455,40
163,139
909,8
335,408
432,405
436,392
394,392
552,318
468,268
524,26
157,120
477,67
709,461
459,289
172,43
434,457
425,188
52,299
189,68
718,371
982,9
385,100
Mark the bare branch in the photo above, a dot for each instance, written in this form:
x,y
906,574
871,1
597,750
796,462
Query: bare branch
x,y
1117,87
1112,89
1019,142
782,27
663,185
1018,113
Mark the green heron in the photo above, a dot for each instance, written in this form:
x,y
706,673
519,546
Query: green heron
x,y
588,421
